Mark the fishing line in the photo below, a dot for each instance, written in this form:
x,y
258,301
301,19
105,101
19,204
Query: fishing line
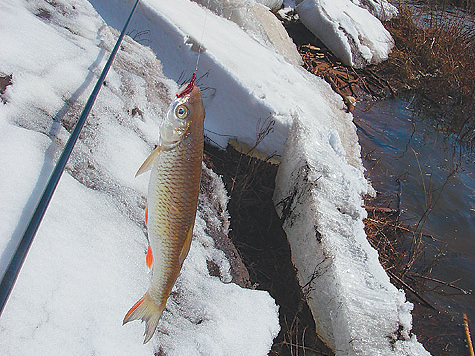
x,y
13,269
202,36
191,84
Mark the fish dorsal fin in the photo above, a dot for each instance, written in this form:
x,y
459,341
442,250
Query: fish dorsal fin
x,y
186,246
148,162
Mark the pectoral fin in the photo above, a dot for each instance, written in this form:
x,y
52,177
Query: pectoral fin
x,y
186,246
148,162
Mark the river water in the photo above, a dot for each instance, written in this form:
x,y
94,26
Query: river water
x,y
415,167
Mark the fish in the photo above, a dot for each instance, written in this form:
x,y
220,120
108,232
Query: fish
x,y
172,200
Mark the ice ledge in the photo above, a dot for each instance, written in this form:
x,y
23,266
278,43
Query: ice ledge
x,y
357,311
351,32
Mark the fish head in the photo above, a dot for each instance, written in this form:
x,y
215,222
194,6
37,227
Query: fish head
x,y
183,113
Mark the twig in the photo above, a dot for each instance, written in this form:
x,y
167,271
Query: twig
x,y
369,172
399,227
368,90
381,209
301,346
392,275
448,284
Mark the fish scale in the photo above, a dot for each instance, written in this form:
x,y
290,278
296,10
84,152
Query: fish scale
x,y
172,200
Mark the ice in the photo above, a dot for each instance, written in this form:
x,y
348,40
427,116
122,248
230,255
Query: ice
x,y
351,32
382,9
357,311
271,4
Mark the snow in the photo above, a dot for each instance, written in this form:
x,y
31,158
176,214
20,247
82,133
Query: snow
x,y
271,4
350,31
258,22
246,82
86,266
382,9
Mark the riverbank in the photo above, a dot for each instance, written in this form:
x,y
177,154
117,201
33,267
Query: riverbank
x,y
433,66
432,63
257,233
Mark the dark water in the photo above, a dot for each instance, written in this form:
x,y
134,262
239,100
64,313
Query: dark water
x,y
415,167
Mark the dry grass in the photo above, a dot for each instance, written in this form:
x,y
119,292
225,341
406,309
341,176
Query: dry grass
x,y
434,58
408,256
466,5
433,61
348,82
257,233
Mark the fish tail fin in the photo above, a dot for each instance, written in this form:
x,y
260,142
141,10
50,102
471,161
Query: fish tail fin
x,y
146,310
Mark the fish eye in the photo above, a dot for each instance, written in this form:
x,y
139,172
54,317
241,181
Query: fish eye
x,y
181,111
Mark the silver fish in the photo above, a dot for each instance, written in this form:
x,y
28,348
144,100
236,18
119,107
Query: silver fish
x,y
172,201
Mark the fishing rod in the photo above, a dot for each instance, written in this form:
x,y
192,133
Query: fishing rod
x,y
13,269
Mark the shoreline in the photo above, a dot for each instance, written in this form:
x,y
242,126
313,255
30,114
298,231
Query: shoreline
x,y
439,331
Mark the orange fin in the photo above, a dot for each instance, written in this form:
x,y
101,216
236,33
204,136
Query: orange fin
x,y
136,305
149,257
148,162
146,310
146,213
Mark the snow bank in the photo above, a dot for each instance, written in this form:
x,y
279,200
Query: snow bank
x,y
357,311
86,266
97,212
351,32
271,4
258,22
254,89
248,87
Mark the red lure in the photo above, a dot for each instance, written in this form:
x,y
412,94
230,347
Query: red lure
x,y
189,87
